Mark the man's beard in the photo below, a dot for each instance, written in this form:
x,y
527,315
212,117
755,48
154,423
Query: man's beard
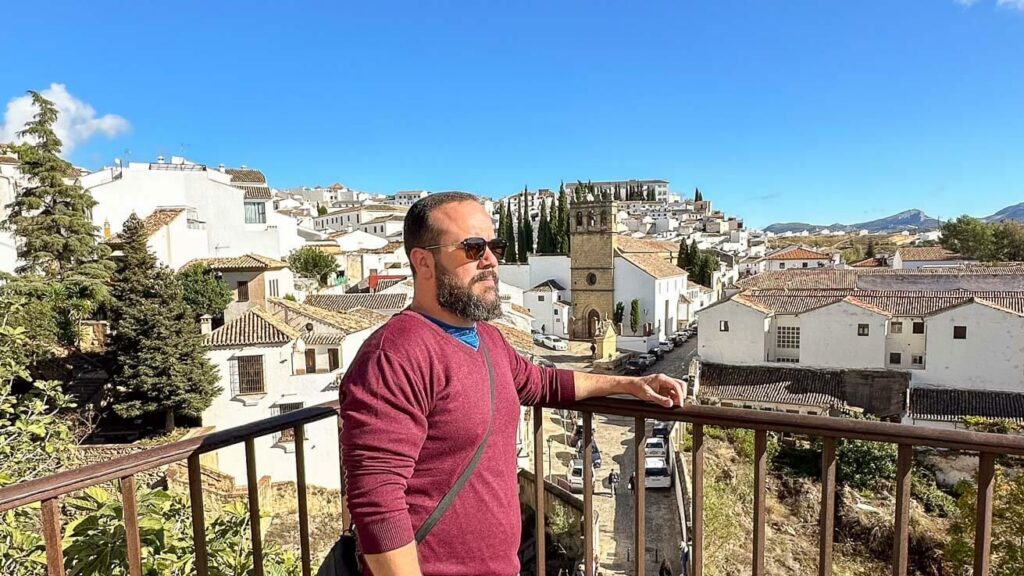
x,y
461,301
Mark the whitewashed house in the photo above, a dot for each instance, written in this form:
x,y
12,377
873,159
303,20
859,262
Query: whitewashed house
x,y
657,283
11,180
797,257
173,235
911,258
550,305
347,219
253,281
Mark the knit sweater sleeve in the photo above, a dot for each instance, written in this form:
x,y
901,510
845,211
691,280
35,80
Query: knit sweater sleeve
x,y
384,408
539,384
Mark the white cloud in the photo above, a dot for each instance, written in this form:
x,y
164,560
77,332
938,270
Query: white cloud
x,y
967,3
76,123
1018,4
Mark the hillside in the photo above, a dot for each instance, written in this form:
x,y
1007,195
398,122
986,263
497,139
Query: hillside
x,y
907,220
1015,212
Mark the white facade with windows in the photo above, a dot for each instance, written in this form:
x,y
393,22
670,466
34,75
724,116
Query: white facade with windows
x,y
733,332
856,337
550,308
975,346
659,297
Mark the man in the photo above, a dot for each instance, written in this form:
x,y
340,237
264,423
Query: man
x,y
415,404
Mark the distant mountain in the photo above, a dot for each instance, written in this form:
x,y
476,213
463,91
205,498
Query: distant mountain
x,y
1015,212
906,220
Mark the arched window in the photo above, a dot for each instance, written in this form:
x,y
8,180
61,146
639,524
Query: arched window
x,y
604,217
591,218
579,218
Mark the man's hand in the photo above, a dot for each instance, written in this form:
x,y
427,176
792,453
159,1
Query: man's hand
x,y
656,388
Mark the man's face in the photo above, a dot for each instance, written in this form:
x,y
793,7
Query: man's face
x,y
466,288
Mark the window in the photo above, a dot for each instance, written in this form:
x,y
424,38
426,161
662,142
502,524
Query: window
x,y
863,329
787,337
917,359
255,213
310,360
243,291
591,279
579,219
895,358
782,265
333,359
918,327
960,332
804,265
273,288
788,360
247,375
723,325
540,298
896,328
287,435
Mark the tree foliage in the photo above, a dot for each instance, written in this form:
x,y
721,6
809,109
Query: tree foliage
x,y
634,315
968,236
160,363
619,313
562,221
321,210
204,292
57,242
546,241
1007,527
312,263
511,252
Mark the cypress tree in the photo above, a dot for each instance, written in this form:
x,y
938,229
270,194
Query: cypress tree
x,y
634,315
563,220
511,254
694,254
57,242
544,235
650,195
527,227
160,363
683,258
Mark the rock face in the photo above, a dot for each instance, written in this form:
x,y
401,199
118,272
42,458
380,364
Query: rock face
x,y
907,220
1015,212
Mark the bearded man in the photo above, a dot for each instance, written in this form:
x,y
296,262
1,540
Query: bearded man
x,y
431,401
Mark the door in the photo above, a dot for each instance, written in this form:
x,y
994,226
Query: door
x,y
333,362
593,319
310,361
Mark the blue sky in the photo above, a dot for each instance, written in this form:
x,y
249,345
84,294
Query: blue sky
x,y
797,110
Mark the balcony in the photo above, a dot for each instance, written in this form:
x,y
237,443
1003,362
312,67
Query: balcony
x,y
48,491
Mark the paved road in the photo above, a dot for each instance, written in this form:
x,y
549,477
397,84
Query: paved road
x,y
614,436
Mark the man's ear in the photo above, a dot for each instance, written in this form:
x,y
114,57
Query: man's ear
x,y
423,261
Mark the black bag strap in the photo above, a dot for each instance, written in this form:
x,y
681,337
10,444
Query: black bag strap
x,y
446,502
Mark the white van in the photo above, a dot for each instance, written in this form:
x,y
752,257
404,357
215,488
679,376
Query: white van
x,y
657,473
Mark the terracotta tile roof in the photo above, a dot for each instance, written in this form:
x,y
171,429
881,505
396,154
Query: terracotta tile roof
x,y
383,219
628,244
550,285
247,262
797,254
751,303
861,303
343,322
9,160
930,254
869,263
239,175
388,248
654,265
889,302
797,386
371,208
323,339
522,310
520,340
255,192
256,327
381,301
792,279
952,405
385,283
158,219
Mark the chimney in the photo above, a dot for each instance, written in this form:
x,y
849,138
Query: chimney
x,y
220,167
205,324
160,159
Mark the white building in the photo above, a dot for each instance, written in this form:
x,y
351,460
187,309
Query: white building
x,y
175,236
657,284
347,219
797,257
932,257
253,280
388,227
549,303
11,180
280,359
660,187
408,197
237,215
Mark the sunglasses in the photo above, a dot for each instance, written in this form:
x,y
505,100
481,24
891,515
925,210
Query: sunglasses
x,y
476,247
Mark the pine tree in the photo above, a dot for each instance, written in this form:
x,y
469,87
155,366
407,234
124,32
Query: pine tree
x,y
634,315
697,196
160,363
683,258
871,248
511,254
57,242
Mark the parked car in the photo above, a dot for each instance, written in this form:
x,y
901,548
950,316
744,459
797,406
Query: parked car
x,y
595,454
538,338
574,475
577,436
554,343
662,429
657,351
666,346
680,338
647,359
635,366
656,447
657,473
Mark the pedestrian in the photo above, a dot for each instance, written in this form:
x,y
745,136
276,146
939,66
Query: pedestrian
x,y
613,481
580,571
632,482
665,569
593,351
439,366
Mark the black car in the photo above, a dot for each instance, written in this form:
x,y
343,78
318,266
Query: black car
x,y
595,454
635,366
662,429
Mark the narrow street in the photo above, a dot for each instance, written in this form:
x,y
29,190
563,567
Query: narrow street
x,y
614,437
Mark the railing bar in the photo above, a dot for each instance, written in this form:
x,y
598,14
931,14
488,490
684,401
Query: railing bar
x,y
588,493
299,433
900,544
760,470
255,527
51,535
983,520
697,533
640,500
195,494
130,514
538,487
826,522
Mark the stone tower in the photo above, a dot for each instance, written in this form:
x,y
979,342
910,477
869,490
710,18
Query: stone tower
x,y
592,228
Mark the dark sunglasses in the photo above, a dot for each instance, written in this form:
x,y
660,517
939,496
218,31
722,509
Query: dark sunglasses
x,y
476,247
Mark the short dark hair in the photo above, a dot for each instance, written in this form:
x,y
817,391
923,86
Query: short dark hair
x,y
418,231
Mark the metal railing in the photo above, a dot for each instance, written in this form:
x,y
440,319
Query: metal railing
x,y
49,490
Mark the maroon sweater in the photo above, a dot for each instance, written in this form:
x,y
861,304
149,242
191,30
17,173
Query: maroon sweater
x,y
414,407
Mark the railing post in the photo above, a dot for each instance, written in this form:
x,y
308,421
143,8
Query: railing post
x,y
640,500
130,514
983,521
300,488
588,494
255,529
760,470
697,493
346,515
902,521
51,535
538,486
195,495
828,505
